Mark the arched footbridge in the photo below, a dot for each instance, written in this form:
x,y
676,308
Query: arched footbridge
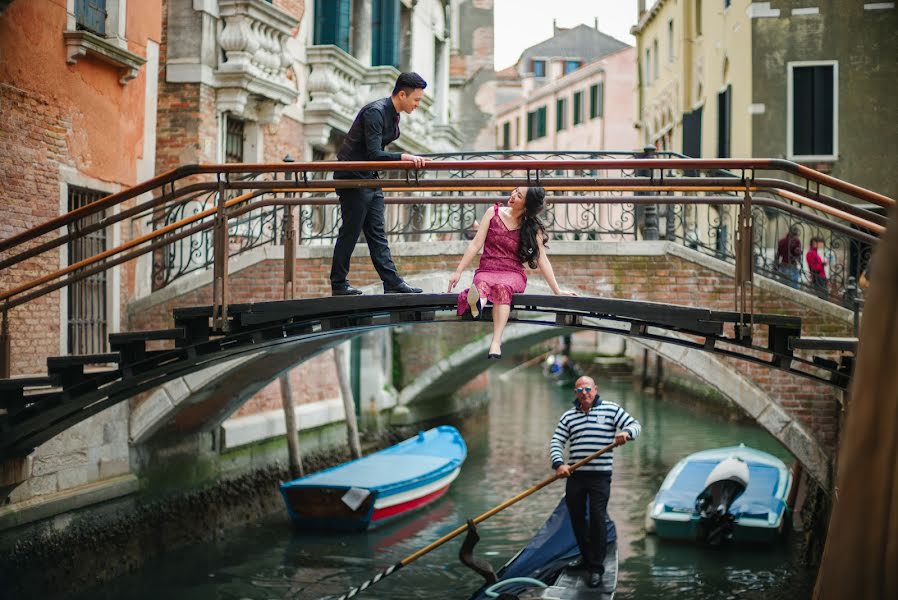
x,y
38,408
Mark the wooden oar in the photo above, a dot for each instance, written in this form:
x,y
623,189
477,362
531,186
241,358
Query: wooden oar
x,y
463,528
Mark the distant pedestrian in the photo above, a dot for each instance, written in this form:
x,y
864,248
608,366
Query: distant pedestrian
x,y
788,256
817,266
362,209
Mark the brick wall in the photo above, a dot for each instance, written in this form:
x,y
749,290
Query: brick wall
x,y
33,138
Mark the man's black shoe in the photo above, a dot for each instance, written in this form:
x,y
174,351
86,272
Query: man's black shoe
x,y
576,563
595,579
346,291
402,288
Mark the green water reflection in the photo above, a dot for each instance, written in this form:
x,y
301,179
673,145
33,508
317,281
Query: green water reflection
x,y
508,445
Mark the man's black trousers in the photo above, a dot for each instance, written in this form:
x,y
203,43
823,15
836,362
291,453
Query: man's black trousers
x,y
362,211
590,489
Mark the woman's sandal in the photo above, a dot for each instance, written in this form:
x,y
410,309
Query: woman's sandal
x,y
474,302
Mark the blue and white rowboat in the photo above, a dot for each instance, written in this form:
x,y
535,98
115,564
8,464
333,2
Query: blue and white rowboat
x,y
380,487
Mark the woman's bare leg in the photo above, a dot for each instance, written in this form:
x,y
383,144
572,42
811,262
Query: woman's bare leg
x,y
500,319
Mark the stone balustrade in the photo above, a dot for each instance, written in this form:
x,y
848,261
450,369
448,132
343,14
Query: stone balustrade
x,y
339,85
254,40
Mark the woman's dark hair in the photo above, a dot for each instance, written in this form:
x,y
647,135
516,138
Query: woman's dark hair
x,y
531,227
409,82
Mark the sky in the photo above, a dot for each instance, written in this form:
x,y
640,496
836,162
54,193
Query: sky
x,y
520,24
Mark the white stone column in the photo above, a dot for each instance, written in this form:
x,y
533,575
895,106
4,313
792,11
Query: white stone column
x,y
361,31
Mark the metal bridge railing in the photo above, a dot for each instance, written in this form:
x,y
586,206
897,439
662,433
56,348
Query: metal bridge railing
x,y
197,216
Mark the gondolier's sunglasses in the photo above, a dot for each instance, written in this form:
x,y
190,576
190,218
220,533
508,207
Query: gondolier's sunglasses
x,y
583,389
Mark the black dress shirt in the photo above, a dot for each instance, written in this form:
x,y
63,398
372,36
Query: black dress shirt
x,y
376,125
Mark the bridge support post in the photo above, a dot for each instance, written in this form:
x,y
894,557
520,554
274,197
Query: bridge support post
x,y
5,346
220,264
650,211
745,268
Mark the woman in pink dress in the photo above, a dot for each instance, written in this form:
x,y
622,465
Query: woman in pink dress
x,y
511,236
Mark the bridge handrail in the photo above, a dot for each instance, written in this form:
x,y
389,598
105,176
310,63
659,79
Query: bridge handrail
x,y
167,236
650,164
833,206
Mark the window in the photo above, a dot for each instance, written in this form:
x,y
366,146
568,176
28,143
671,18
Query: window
x,y
234,136
517,131
597,100
813,110
506,135
90,15
87,316
560,114
655,71
648,66
385,33
578,108
539,68
724,118
692,133
332,23
570,66
670,41
726,3
536,124
698,17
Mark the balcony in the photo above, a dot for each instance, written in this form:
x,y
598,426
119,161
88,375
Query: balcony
x,y
257,60
339,85
239,47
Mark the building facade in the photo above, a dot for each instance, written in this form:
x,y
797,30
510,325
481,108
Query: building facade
x,y
571,92
65,67
785,79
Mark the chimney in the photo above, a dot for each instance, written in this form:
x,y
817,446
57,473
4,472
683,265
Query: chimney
x,y
597,23
554,26
640,6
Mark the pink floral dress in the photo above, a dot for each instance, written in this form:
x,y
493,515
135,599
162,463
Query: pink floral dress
x,y
500,273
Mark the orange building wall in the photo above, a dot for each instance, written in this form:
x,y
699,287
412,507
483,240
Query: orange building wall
x,y
52,115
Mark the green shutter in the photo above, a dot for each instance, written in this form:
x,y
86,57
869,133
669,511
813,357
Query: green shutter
x,y
559,114
601,99
385,32
332,23
530,117
541,122
593,101
578,108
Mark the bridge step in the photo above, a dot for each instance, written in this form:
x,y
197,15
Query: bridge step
x,y
839,344
175,333
70,369
132,346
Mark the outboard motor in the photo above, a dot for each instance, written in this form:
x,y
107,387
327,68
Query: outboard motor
x,y
724,484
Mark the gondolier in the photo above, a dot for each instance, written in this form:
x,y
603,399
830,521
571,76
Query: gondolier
x,y
587,427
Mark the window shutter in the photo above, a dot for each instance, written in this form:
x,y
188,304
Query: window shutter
x,y
332,23
385,32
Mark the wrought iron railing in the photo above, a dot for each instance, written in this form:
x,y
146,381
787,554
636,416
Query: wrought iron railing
x,y
722,207
451,215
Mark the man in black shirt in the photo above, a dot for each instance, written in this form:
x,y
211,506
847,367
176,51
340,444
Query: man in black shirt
x,y
362,209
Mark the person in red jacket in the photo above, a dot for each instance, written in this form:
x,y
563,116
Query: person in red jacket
x,y
817,265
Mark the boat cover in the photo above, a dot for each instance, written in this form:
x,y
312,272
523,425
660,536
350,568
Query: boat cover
x,y
757,501
549,551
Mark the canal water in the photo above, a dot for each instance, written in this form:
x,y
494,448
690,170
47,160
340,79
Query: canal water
x,y
507,453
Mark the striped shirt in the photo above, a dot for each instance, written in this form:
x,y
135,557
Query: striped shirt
x,y
589,432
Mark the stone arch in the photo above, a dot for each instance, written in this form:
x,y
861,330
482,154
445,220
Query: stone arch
x,y
205,398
